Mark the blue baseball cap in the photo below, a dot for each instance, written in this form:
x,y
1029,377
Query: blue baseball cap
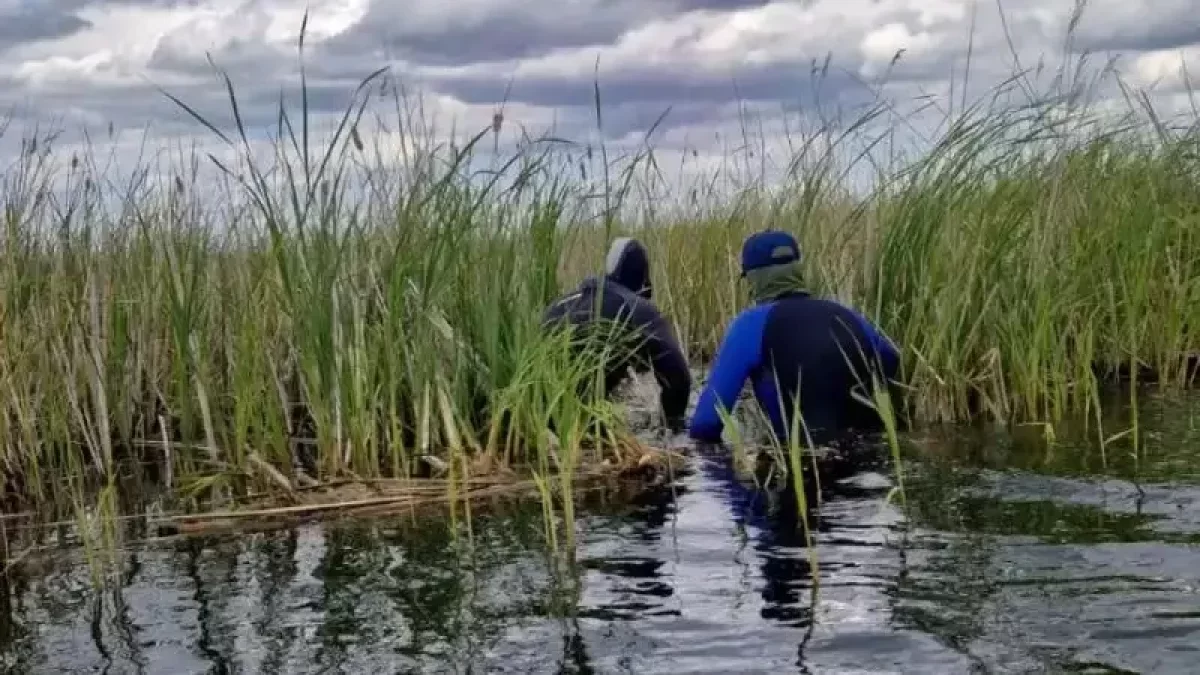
x,y
771,247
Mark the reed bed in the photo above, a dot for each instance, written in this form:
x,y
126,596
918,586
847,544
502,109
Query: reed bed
x,y
339,309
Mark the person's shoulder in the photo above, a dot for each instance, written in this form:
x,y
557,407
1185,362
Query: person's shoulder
x,y
828,304
846,309
848,313
812,310
751,318
628,308
566,302
634,302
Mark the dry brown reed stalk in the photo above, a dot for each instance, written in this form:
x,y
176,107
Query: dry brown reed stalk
x,y
631,461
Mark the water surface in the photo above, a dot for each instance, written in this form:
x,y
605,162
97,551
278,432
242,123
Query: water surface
x,y
1012,556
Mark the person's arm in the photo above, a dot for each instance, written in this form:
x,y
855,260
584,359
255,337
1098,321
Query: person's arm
x,y
661,351
889,355
675,384
740,353
559,311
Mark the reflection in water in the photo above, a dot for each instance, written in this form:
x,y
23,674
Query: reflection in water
x,y
1012,558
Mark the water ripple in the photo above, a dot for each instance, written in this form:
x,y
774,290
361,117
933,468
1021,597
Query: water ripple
x,y
990,571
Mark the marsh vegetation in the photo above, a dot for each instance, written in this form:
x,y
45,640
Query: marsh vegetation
x,y
306,304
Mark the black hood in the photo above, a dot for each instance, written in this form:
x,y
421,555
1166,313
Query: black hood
x,y
629,265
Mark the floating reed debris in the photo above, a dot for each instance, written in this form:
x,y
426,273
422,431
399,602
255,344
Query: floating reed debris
x,y
641,465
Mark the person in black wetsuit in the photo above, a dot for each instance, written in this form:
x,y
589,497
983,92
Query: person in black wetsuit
x,y
623,296
792,345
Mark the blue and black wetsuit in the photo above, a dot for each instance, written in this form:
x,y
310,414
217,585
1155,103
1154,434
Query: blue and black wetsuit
x,y
623,295
805,343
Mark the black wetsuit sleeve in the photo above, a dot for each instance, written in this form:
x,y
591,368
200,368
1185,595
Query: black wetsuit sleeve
x,y
660,349
561,309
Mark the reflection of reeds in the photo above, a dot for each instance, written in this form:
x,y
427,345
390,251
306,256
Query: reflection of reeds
x,y
391,497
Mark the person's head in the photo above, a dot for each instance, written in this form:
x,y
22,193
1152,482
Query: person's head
x,y
629,265
771,264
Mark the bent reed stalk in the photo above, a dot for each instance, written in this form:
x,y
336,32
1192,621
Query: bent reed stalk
x,y
350,307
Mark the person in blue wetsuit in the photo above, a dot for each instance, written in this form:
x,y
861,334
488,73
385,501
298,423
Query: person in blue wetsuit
x,y
792,345
623,295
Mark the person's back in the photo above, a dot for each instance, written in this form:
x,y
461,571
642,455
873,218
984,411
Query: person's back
x,y
795,349
621,300
833,351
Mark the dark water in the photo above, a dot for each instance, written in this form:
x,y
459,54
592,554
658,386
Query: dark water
x,y
1013,556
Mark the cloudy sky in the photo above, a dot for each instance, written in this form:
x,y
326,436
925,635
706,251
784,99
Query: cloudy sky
x,y
89,64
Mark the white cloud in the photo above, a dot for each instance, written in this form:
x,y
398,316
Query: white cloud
x,y
1173,69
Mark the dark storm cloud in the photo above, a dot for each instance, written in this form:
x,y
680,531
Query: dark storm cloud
x,y
513,29
792,82
1112,25
31,24
1158,35
38,20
